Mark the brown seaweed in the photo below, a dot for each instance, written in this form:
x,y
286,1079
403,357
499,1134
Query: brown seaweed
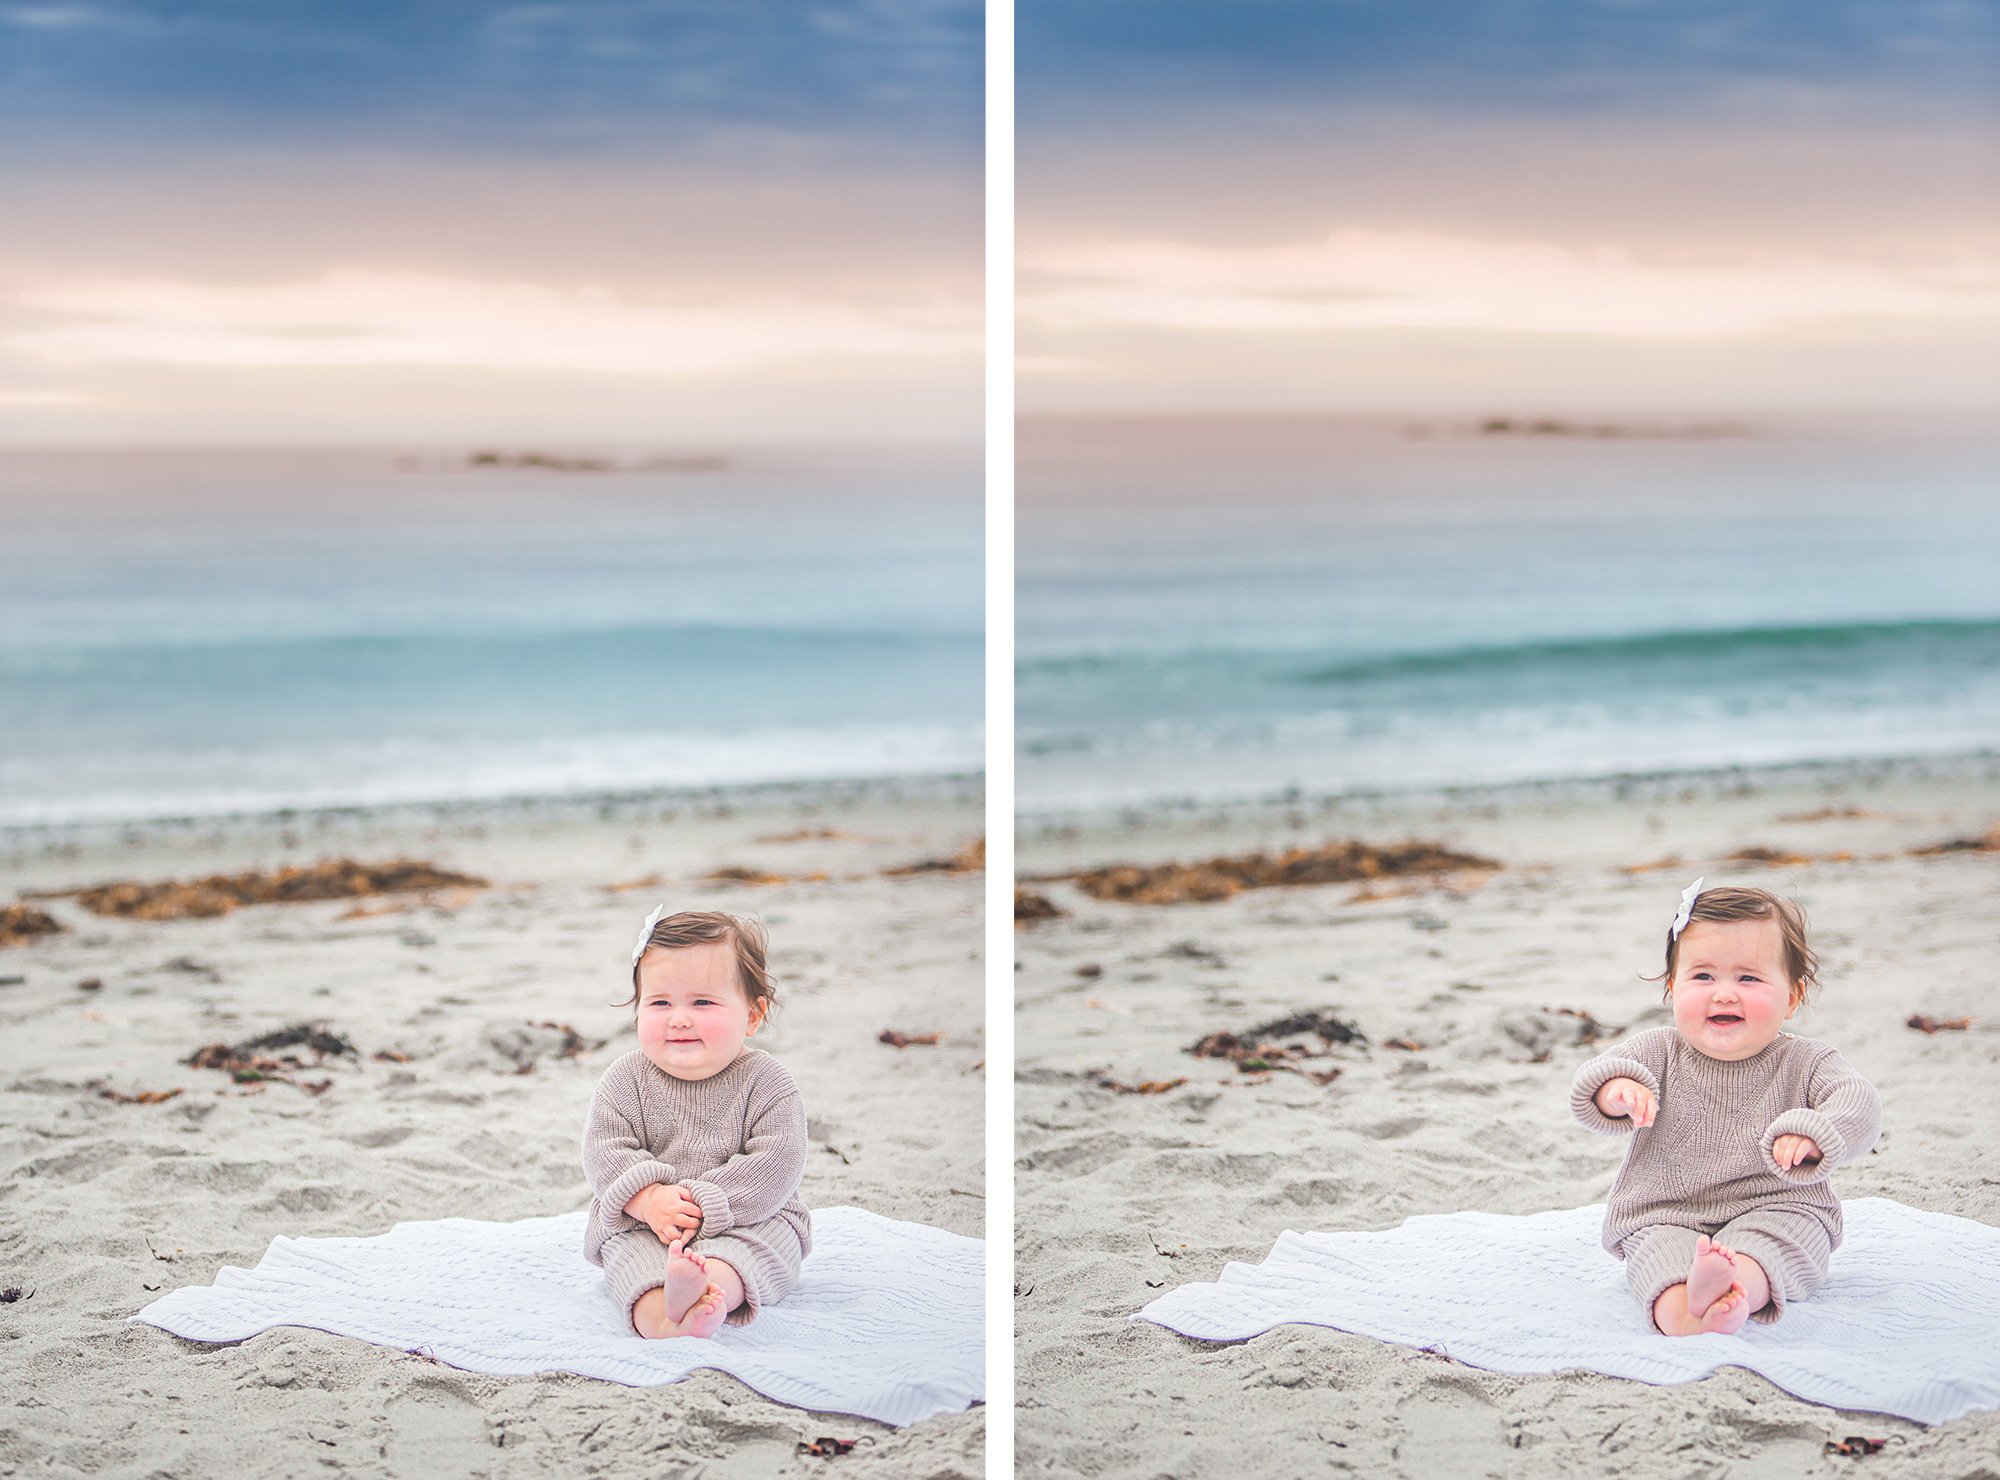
x,y
1030,907
1261,1049
970,859
1143,1087
252,1063
143,1097
219,894
908,1040
1220,878
20,923
1986,842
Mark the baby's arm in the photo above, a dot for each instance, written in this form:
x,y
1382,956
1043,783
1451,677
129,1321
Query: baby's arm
x,y
761,1178
1843,1119
617,1163
1641,1059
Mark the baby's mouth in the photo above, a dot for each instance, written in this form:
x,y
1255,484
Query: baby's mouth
x,y
1724,1019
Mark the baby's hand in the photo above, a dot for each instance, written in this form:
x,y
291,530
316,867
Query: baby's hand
x,y
1616,1097
666,1208
1795,1151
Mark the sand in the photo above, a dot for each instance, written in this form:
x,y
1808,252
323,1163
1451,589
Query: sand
x,y
102,1204
1122,1194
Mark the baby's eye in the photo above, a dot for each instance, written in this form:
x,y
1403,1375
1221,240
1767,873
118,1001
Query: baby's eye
x,y
1701,976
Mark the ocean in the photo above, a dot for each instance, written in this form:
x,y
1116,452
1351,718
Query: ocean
x,y
193,634
1213,611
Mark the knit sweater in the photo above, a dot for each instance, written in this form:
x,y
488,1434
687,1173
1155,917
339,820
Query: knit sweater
x,y
1706,1159
736,1141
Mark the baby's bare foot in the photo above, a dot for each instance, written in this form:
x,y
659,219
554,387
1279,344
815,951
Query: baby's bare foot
x,y
706,1315
1727,1313
686,1279
1712,1273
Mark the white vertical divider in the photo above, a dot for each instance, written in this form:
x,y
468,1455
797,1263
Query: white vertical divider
x,y
1000,738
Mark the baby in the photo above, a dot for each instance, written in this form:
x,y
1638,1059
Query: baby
x,y
1722,1211
695,1141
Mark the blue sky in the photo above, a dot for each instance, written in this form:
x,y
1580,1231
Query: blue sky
x,y
587,221
617,75
1460,206
1083,58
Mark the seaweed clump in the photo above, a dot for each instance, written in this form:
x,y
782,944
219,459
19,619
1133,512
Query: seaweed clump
x,y
256,1060
219,894
1219,878
23,922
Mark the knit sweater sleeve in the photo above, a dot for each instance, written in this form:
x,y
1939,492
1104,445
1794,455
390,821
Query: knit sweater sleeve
x,y
761,1178
1843,1116
616,1160
1642,1057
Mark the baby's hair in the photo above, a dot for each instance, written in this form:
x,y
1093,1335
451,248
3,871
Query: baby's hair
x,y
1728,904
705,927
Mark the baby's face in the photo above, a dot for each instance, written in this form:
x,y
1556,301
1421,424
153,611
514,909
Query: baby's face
x,y
693,1015
1731,994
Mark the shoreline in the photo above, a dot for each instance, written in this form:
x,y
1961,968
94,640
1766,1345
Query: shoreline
x,y
1831,776
21,840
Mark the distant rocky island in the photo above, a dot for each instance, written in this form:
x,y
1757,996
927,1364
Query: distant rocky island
x,y
1513,426
554,462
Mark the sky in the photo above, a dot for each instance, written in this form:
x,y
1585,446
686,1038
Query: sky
x,y
603,222
1491,206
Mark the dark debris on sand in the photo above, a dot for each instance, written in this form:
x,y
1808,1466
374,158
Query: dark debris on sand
x,y
255,1061
738,873
1536,1033
143,1097
1265,1047
20,923
1143,1087
1588,1029
825,1447
970,859
340,878
528,1043
1937,1025
1219,878
896,1039
572,1043
1758,856
1986,842
1030,907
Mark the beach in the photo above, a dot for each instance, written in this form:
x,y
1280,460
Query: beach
x,y
1141,1167
480,1018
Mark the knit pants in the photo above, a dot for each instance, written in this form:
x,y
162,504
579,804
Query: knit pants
x,y
1792,1246
766,1256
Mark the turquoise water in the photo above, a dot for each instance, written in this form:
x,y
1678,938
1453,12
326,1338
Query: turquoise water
x,y
1218,611
194,634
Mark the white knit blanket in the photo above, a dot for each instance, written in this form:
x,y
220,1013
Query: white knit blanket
x,y
886,1320
1907,1323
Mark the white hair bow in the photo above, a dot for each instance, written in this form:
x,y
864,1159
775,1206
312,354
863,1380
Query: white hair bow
x,y
646,933
1688,896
